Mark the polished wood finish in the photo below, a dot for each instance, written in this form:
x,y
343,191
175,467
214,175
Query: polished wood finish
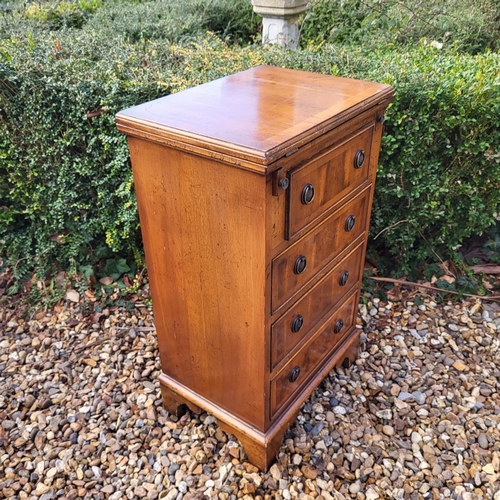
x,y
204,235
258,115
219,174
312,353
313,306
331,176
319,247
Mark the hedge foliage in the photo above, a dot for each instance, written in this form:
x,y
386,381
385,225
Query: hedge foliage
x,y
66,196
137,20
178,20
472,27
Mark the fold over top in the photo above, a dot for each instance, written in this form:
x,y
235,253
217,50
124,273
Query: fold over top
x,y
254,117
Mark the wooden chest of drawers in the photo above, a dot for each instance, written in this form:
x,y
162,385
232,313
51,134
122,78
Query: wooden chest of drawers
x,y
254,196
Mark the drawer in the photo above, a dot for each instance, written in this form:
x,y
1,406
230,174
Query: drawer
x,y
301,261
318,185
295,373
304,315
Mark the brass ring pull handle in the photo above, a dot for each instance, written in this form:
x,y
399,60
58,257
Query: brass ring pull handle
x,y
338,326
359,158
300,265
344,277
307,195
350,222
294,374
297,323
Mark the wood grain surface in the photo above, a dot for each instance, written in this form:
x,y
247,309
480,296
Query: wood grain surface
x,y
258,115
204,236
319,247
313,306
331,176
311,355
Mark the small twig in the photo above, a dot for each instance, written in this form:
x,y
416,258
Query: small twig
x,y
137,328
490,298
390,227
97,342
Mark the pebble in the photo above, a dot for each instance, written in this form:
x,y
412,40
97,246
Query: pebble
x,y
419,397
334,402
406,396
355,488
388,430
436,470
371,494
174,467
384,414
416,437
482,440
316,429
171,494
8,425
415,334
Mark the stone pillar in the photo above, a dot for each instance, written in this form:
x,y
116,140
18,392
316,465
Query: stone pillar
x,y
280,20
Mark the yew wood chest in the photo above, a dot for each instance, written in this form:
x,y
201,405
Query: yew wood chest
x,y
254,195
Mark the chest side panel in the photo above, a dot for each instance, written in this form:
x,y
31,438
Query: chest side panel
x,y
204,236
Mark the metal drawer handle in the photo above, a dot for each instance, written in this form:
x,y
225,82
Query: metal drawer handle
x,y
300,265
350,222
338,326
294,374
359,158
297,323
344,277
307,194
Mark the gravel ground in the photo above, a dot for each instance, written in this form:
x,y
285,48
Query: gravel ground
x,y
417,416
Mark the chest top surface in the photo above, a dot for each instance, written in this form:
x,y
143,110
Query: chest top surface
x,y
258,115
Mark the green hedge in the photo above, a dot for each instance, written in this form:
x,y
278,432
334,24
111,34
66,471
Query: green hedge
x,y
136,20
472,27
178,20
438,181
66,197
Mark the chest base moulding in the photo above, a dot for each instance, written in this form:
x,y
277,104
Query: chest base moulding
x,y
254,195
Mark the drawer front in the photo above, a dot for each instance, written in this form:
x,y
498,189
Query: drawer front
x,y
303,316
295,373
302,260
318,185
